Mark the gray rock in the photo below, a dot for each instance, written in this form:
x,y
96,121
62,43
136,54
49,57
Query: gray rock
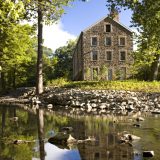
x,y
102,106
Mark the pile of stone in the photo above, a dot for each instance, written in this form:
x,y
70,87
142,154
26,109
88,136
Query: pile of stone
x,y
102,100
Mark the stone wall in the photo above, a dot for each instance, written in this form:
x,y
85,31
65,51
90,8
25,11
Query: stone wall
x,y
98,31
77,60
103,101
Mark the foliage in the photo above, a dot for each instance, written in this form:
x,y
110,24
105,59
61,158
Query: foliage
x,y
87,73
103,72
43,12
57,82
17,55
95,74
146,17
10,12
129,85
63,61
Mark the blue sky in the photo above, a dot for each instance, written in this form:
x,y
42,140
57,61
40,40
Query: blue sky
x,y
83,14
78,16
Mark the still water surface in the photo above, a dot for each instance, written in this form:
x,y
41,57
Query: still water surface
x,y
36,125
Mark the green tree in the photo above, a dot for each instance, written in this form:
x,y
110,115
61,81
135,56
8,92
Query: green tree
x,y
48,64
146,17
17,54
44,11
10,12
63,58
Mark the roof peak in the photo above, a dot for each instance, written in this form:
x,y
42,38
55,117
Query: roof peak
x,y
110,19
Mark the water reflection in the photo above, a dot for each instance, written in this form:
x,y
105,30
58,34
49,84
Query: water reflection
x,y
49,151
40,122
54,152
37,126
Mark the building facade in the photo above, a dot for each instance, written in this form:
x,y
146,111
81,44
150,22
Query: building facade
x,y
103,51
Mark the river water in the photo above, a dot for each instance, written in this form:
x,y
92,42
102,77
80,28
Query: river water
x,y
34,126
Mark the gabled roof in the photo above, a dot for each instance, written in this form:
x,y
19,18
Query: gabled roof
x,y
110,19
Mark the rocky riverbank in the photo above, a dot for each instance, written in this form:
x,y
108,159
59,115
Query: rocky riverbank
x,y
102,101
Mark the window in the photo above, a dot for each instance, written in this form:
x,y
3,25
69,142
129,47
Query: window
x,y
122,55
107,28
108,41
109,55
122,41
94,55
94,41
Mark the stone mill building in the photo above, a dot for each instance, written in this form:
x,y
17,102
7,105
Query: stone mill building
x,y
103,51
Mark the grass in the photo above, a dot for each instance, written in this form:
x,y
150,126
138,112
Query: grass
x,y
129,85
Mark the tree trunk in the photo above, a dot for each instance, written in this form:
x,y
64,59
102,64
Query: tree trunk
x,y
39,86
154,68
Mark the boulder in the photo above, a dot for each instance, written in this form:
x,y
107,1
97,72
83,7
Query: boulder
x,y
60,138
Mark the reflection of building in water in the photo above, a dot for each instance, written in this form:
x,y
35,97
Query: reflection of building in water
x,y
106,148
80,134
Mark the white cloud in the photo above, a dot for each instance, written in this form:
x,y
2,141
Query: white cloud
x,y
55,36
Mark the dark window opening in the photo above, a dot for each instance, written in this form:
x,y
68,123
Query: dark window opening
x,y
108,28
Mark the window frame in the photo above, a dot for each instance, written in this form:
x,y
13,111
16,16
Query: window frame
x,y
120,40
106,41
106,27
92,41
120,55
111,55
92,55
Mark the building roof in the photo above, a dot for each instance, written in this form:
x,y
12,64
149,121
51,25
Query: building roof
x,y
110,19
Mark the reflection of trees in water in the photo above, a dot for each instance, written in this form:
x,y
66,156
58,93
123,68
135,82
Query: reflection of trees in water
x,y
104,129
13,130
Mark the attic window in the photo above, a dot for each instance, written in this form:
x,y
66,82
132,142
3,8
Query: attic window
x,y
108,28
